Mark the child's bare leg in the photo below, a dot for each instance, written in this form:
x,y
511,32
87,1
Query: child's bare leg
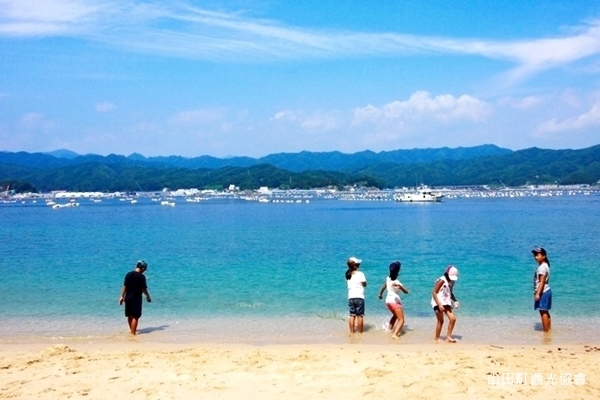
x,y
438,326
399,313
546,320
360,321
392,322
451,323
351,323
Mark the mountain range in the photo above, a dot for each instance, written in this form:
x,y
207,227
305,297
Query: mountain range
x,y
478,165
296,162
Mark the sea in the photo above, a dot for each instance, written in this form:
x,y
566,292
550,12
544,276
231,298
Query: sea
x,y
229,270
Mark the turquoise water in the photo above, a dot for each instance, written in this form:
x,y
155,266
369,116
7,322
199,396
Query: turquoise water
x,y
234,269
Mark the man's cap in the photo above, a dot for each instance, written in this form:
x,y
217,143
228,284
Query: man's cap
x,y
539,250
452,272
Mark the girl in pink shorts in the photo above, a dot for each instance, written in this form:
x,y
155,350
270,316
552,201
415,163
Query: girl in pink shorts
x,y
392,299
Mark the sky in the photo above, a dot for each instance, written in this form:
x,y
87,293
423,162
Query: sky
x,y
257,77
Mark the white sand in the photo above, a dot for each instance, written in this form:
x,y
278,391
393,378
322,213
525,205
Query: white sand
x,y
131,369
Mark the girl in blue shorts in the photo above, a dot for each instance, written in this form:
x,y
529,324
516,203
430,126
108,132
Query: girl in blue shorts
x,y
542,294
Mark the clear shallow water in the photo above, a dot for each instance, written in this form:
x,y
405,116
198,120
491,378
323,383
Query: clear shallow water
x,y
248,271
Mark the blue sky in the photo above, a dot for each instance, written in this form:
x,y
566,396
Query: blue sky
x,y
251,78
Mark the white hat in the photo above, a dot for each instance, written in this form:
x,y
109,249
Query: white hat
x,y
354,260
452,272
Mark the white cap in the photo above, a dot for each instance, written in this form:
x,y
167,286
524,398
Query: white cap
x,y
354,260
452,272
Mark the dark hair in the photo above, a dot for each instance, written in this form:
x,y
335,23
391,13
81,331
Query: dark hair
x,y
542,251
395,269
546,259
141,264
352,266
348,274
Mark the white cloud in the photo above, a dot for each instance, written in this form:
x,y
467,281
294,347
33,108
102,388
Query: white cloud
x,y
321,122
48,10
105,107
313,122
284,115
183,30
586,120
421,106
48,17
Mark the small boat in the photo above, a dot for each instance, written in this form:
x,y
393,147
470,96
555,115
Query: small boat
x,y
66,205
422,194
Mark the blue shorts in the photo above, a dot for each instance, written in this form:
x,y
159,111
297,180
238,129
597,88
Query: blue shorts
x,y
356,307
545,301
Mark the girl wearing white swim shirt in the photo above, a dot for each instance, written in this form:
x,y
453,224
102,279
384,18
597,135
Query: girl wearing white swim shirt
x,y
542,294
442,300
356,282
392,299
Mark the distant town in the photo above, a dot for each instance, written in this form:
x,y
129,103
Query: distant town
x,y
169,197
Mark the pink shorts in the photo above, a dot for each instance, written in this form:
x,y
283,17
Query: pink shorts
x,y
393,306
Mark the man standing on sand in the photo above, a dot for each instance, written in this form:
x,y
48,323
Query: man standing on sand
x,y
134,286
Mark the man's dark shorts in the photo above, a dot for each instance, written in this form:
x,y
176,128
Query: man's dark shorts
x,y
133,308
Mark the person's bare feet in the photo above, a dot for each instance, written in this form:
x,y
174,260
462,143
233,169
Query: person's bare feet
x,y
450,339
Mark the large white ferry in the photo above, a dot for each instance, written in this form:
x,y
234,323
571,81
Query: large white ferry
x,y
422,194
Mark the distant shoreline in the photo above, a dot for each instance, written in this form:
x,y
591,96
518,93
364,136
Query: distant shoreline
x,y
195,195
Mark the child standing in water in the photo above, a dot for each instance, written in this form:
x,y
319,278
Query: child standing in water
x,y
542,294
356,282
442,297
392,299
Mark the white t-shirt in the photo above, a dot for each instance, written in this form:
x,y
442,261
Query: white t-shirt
x,y
356,290
542,269
393,288
444,295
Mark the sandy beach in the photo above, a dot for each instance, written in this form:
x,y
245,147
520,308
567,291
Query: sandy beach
x,y
137,370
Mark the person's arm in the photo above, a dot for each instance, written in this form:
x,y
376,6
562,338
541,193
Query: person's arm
x,y
380,295
123,291
405,290
541,284
364,283
436,288
454,299
148,299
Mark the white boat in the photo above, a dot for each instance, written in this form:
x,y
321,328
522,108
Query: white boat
x,y
422,194
70,204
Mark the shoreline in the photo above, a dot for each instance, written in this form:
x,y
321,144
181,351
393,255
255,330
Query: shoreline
x,y
143,370
264,330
